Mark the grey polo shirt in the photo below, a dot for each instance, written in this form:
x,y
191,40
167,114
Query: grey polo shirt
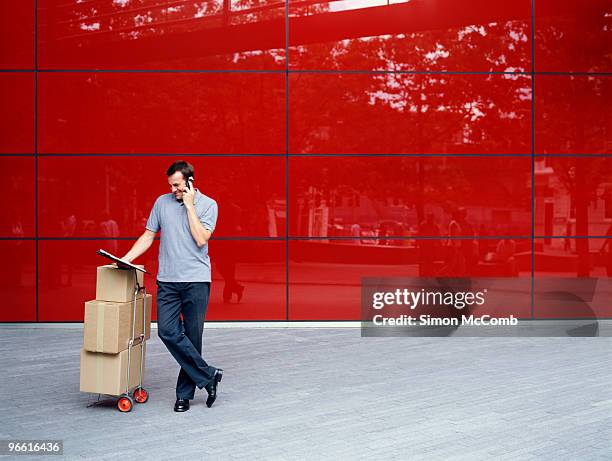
x,y
180,259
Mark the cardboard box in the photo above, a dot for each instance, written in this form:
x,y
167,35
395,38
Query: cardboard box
x,y
108,325
107,373
118,285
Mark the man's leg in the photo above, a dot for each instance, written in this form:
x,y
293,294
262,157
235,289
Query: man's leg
x,y
171,332
194,298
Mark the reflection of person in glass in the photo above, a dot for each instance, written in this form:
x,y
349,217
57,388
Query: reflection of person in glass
x,y
187,219
567,244
428,247
226,260
110,230
461,260
69,225
15,252
461,257
607,245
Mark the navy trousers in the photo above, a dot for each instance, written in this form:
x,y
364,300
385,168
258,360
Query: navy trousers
x,y
183,338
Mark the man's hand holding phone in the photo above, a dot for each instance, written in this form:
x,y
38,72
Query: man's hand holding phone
x,y
189,193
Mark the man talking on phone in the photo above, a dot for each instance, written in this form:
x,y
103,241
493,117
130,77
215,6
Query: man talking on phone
x,y
187,219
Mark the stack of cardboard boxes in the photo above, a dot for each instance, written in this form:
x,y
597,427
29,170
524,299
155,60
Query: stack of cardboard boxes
x,y
108,330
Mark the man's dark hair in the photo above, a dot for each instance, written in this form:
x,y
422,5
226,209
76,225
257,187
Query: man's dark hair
x,y
181,165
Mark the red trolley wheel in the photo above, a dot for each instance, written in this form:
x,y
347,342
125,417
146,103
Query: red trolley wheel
x,y
125,404
141,395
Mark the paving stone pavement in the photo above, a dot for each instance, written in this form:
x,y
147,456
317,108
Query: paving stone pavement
x,y
324,393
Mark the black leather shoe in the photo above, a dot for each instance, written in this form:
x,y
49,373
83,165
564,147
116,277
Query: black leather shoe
x,y
211,388
181,405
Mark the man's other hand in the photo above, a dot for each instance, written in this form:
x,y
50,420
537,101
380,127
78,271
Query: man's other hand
x,y
124,266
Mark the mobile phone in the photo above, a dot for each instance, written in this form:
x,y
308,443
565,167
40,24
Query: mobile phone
x,y
189,183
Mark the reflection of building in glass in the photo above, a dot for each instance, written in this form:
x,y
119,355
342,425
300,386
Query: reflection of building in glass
x,y
378,198
566,192
277,216
345,211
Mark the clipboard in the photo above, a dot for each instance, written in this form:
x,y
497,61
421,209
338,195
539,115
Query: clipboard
x,y
115,259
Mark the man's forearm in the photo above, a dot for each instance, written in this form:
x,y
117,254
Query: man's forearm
x,y
199,233
141,245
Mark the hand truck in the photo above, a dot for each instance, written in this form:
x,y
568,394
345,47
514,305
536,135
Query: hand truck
x,y
125,402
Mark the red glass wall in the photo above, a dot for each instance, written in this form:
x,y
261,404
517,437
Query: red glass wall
x,y
341,139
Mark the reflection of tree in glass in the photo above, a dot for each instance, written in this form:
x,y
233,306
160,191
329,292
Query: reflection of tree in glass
x,y
146,31
581,180
573,114
496,45
572,35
